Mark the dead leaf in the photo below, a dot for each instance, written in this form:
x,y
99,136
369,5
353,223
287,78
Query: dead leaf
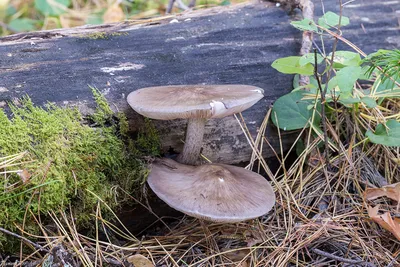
x,y
24,175
385,220
139,261
391,191
114,14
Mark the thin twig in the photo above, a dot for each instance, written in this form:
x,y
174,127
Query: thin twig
x,y
323,101
170,6
328,77
182,5
335,257
192,3
37,246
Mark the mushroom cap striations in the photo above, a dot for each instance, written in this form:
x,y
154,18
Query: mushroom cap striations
x,y
214,192
193,101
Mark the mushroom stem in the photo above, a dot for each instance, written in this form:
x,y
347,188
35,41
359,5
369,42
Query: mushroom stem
x,y
193,142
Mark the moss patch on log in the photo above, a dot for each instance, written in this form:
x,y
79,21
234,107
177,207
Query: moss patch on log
x,y
72,162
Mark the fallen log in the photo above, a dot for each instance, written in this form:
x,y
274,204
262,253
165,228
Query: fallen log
x,y
224,45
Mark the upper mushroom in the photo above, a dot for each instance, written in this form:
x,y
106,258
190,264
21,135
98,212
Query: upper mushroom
x,y
215,192
197,103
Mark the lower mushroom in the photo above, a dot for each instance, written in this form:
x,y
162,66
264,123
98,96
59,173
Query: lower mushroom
x,y
214,192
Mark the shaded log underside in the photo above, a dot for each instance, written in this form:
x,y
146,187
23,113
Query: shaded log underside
x,y
224,45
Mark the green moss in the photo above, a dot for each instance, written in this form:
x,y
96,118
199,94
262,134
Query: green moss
x,y
67,159
147,141
101,35
103,111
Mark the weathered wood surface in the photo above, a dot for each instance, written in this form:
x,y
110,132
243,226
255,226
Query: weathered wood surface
x,y
223,45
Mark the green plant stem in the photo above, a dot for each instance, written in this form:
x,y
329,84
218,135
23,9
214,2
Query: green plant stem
x,y
328,77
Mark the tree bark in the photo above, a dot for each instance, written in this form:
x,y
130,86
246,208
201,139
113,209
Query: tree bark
x,y
223,45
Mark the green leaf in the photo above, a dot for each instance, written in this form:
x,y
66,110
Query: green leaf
x,y
346,78
369,102
348,100
291,112
95,19
331,19
345,58
305,25
309,58
11,10
225,3
388,136
332,84
52,7
290,65
296,81
314,82
22,25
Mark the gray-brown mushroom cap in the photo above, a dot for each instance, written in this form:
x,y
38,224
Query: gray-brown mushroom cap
x,y
215,192
193,101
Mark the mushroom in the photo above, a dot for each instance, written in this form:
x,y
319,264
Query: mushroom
x,y
214,192
197,103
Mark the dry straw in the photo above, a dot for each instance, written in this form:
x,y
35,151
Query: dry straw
x,y
320,217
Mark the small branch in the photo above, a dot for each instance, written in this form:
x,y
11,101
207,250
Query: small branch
x,y
170,6
307,8
337,258
192,3
109,260
181,5
37,246
328,77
